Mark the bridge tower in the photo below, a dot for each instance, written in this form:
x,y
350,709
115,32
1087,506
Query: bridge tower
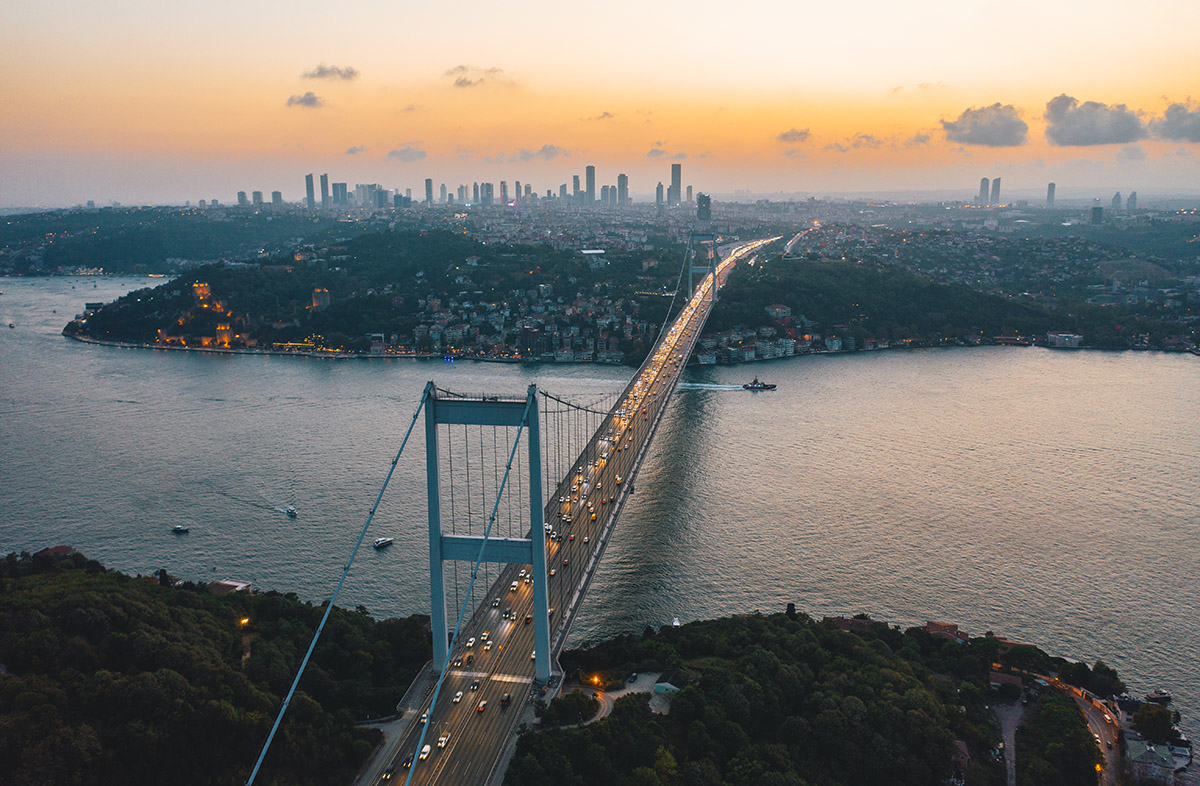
x,y
702,258
522,551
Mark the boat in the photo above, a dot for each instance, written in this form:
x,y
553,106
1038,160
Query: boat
x,y
180,528
756,385
290,511
382,542
675,622
1158,696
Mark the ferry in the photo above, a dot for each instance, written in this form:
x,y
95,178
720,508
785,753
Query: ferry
x,y
756,385
382,542
290,511
179,528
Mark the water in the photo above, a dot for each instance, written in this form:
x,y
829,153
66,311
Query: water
x,y
1048,496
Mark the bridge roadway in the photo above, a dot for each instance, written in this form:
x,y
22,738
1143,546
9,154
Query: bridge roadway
x,y
582,512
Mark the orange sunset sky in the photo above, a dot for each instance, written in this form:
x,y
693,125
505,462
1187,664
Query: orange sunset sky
x,y
162,102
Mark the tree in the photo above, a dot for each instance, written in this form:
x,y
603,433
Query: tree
x,y
1153,721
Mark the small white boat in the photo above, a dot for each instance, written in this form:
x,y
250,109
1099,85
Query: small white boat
x,y
179,528
290,511
675,622
382,542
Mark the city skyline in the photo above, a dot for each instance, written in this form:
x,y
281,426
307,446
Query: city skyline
x,y
789,100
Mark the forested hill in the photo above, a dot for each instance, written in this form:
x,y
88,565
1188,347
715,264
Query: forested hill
x,y
109,679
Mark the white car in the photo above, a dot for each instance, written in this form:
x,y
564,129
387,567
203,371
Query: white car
x,y
442,740
458,697
487,647
471,642
425,752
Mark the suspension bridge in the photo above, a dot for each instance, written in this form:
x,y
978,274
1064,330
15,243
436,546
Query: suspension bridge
x,y
523,496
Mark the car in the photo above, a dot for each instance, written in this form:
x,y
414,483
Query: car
x,y
1108,744
408,761
1107,718
552,572
597,484
593,517
425,752
424,717
633,678
572,538
457,697
458,662
495,602
533,655
474,685
469,659
528,618
387,774
484,636
487,647
521,575
585,540
529,579
505,700
442,740
513,587
565,562
482,706
471,642
509,614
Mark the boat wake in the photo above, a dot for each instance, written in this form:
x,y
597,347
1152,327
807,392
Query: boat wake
x,y
706,386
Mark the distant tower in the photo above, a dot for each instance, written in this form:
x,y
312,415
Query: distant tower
x,y
703,207
339,194
504,192
996,191
590,193
325,192
429,190
1097,216
658,195
622,190
256,198
443,199
1131,203
1116,202
575,190
689,195
676,184
983,191
1050,197
242,199
475,193
562,191
308,187
277,198
517,191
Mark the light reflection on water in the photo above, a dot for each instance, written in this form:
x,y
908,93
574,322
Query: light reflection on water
x,y
1048,496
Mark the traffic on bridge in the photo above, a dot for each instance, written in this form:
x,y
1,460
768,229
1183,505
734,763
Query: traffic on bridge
x,y
491,671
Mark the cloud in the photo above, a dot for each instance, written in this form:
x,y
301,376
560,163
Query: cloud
x,y
1178,123
308,100
331,72
474,76
544,153
998,125
1070,123
794,153
705,154
1131,154
406,154
857,141
657,152
601,116
464,154
794,136
919,139
678,157
353,151
410,108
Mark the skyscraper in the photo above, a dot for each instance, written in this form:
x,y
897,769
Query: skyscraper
x,y
604,195
1097,215
562,191
308,187
1131,203
676,184
703,207
242,197
622,190
339,194
475,194
277,198
504,192
256,198
983,191
517,191
1050,196
658,194
325,192
429,190
996,191
575,191
443,199
1116,202
590,193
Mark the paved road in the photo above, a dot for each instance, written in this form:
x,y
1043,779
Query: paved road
x,y
581,513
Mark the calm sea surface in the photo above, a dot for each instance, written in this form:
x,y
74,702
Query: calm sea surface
x,y
1048,496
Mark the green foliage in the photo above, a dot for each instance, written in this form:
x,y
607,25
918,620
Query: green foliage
x,y
121,681
1101,680
574,707
1155,723
772,700
1054,746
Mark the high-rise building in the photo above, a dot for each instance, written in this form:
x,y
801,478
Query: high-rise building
x,y
689,195
242,199
589,197
429,190
308,189
575,190
504,192
658,194
443,199
256,198
325,192
528,191
622,190
1050,196
339,194
676,184
277,198
604,195
1116,202
1131,203
475,194
487,194
517,191
562,191
983,192
1097,215
703,207
996,191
